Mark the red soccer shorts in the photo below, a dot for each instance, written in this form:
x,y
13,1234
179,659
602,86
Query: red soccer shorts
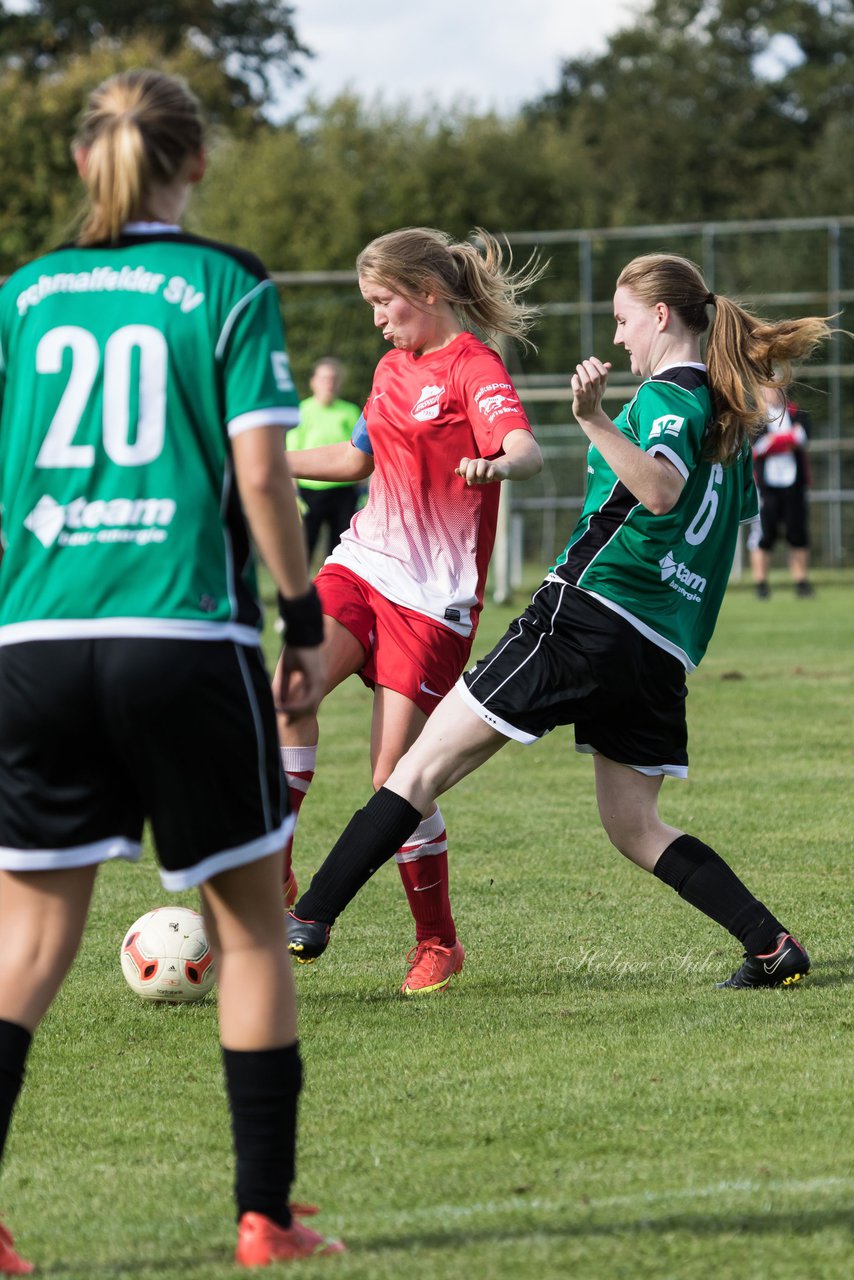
x,y
405,651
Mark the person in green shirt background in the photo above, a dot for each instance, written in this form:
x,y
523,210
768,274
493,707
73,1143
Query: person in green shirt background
x,y
324,419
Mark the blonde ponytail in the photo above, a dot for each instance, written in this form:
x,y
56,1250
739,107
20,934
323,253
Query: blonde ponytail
x,y
138,129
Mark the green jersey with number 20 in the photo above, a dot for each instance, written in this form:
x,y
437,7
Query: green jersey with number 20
x,y
666,574
124,372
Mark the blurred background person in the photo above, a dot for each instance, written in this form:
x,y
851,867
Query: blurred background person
x,y
782,478
324,418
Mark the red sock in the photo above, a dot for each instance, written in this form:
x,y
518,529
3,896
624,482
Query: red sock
x,y
423,866
299,764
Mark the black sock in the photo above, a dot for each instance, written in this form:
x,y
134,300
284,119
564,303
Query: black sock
x,y
372,836
263,1088
15,1042
702,878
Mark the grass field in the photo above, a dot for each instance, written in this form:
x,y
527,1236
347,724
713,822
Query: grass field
x,y
583,1102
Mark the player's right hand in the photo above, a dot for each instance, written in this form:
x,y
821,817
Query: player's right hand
x,y
300,682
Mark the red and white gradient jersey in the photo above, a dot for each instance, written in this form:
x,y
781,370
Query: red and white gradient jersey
x,y
424,538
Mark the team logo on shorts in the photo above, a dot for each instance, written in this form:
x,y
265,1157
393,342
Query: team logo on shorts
x,y
428,405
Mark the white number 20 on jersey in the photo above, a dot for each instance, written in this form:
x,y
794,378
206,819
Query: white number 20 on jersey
x,y
149,345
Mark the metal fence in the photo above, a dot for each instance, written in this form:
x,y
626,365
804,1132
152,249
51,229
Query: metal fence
x,y
782,267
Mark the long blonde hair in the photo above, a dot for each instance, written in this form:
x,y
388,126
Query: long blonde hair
x,y
138,128
481,288
744,353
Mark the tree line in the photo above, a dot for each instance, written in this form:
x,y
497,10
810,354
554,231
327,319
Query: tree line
x,y
698,110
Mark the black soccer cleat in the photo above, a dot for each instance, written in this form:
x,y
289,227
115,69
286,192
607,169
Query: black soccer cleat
x,y
307,939
787,964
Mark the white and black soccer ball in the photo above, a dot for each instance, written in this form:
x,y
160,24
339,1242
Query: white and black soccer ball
x,y
166,956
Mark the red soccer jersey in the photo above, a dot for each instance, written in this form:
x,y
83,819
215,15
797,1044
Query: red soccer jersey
x,y
424,538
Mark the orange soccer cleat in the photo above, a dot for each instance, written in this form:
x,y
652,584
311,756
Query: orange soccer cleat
x,y
261,1241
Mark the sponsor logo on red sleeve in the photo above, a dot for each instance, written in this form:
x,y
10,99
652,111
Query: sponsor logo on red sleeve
x,y
496,399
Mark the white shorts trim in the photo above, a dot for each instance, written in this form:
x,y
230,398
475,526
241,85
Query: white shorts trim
x,y
229,858
494,722
84,855
648,770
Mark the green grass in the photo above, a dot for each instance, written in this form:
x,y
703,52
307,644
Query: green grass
x,y
583,1103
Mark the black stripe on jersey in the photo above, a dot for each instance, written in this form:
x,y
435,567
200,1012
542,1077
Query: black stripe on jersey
x,y
617,508
247,260
240,554
604,524
686,376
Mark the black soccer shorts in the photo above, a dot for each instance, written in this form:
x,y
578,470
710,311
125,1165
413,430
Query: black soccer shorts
x,y
569,659
99,735
786,508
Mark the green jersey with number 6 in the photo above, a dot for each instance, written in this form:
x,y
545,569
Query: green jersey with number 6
x,y
666,574
125,370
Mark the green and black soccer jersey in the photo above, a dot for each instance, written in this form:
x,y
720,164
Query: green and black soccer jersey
x,y
665,573
124,372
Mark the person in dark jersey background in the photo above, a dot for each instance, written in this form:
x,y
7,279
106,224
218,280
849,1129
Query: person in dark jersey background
x,y
626,609
144,392
782,472
403,589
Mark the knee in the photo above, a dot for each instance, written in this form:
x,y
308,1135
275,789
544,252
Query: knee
x,y
620,835
631,835
383,769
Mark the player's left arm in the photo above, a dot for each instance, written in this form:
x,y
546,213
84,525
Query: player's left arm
x,y
500,429
650,477
520,459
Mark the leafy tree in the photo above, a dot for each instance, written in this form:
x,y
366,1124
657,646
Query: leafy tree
x,y
252,39
41,190
689,114
308,195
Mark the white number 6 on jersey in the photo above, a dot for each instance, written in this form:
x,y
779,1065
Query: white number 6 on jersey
x,y
699,527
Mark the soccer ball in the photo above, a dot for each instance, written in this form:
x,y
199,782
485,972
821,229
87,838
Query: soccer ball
x,y
166,956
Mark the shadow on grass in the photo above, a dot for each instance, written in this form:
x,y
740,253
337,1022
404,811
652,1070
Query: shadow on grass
x,y
783,1221
832,973
589,971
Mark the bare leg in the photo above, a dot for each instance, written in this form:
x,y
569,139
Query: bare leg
x,y
798,561
246,926
422,860
258,1031
396,723
455,741
760,562
42,917
298,736
344,656
628,807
